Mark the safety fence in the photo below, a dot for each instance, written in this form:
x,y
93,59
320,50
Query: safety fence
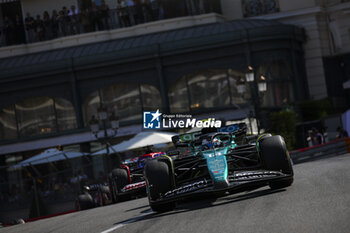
x,y
336,147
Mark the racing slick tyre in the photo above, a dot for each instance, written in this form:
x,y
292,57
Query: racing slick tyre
x,y
275,157
84,202
157,174
119,178
105,194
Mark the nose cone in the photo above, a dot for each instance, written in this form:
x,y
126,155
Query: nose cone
x,y
217,167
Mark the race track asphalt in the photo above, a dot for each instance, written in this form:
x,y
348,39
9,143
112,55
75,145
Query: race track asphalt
x,y
318,201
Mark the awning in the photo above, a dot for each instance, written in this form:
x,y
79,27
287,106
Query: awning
x,y
49,155
142,139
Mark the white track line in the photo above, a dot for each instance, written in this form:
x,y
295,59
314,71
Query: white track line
x,y
127,222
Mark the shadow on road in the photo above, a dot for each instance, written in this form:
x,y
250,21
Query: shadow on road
x,y
193,204
137,208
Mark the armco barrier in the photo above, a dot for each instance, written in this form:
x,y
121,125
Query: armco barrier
x,y
339,146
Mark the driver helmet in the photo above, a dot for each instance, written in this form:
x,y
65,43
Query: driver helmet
x,y
216,142
208,143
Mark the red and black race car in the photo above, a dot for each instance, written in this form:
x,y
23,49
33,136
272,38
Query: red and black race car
x,y
123,182
127,180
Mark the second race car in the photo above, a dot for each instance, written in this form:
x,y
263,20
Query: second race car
x,y
128,180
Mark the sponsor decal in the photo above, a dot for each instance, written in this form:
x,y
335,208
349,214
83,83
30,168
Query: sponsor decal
x,y
134,186
157,120
189,137
229,128
254,175
187,188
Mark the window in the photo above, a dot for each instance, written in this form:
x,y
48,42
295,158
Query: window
x,y
8,127
238,96
66,118
35,116
259,7
207,89
279,84
124,100
90,106
151,99
178,97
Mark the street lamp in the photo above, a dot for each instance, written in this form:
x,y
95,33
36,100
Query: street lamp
x,y
103,118
102,113
241,88
94,126
114,122
262,86
257,87
249,76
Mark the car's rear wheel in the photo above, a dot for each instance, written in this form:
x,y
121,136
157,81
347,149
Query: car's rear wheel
x,y
118,179
84,201
275,157
158,178
105,194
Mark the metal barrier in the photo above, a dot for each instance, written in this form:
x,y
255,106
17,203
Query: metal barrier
x,y
339,146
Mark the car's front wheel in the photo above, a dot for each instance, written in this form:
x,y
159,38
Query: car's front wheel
x,y
118,179
275,157
158,179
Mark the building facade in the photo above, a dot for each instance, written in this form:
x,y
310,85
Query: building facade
x,y
189,61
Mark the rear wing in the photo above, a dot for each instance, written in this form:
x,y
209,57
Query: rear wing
x,y
182,140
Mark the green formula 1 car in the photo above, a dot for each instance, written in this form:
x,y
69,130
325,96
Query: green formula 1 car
x,y
221,162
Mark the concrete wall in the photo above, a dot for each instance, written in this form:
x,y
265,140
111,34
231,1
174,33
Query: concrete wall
x,y
316,46
340,19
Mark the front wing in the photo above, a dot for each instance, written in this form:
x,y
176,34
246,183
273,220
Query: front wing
x,y
237,182
133,188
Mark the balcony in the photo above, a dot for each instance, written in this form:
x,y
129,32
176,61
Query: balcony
x,y
259,7
70,30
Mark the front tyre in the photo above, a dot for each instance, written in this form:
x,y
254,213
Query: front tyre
x,y
158,179
275,157
118,179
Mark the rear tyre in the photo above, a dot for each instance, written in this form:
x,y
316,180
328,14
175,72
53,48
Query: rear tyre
x,y
105,194
118,179
157,174
84,202
275,157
